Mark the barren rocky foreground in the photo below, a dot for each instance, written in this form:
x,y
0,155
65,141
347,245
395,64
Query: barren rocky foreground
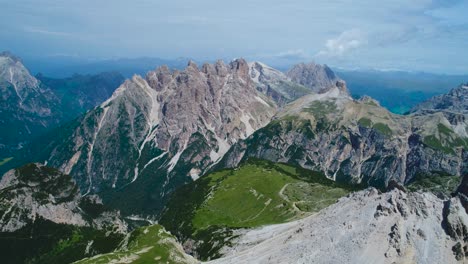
x,y
365,227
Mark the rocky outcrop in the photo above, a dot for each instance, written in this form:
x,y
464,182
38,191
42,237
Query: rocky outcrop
x,y
365,227
357,141
318,78
35,191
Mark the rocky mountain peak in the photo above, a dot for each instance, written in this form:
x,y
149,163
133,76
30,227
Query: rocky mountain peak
x,y
317,77
11,56
12,71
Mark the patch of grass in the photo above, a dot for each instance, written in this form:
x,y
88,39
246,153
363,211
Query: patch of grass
x,y
150,244
380,127
321,108
145,245
365,122
444,130
383,129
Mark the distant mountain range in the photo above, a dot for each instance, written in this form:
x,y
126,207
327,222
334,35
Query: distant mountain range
x,y
215,151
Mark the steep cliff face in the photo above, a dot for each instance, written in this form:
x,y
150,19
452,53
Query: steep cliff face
x,y
359,141
163,130
365,227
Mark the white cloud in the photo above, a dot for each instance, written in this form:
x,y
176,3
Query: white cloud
x,y
291,54
347,41
45,31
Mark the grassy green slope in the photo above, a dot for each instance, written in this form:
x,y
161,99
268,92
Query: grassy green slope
x,y
151,244
255,194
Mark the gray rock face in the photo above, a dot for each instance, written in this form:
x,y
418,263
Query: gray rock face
x,y
359,141
170,126
454,101
318,78
34,191
365,227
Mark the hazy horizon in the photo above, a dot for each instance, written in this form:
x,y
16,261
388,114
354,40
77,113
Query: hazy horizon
x,y
419,35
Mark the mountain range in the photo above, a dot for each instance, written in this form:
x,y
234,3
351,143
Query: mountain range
x,y
214,152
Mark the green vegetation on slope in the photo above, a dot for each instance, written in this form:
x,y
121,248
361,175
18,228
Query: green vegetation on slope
x,y
46,242
255,194
380,127
150,244
441,184
446,140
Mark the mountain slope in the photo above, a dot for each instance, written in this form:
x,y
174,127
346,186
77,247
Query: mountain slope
x,y
27,106
159,132
358,141
44,219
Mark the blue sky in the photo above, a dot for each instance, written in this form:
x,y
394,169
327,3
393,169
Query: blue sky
x,y
416,35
